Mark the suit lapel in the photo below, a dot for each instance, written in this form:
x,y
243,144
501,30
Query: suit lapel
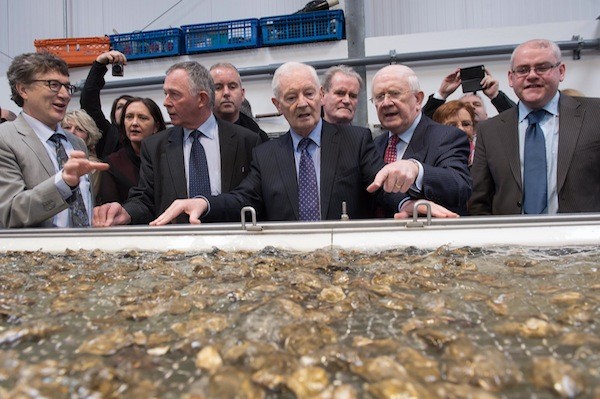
x,y
417,146
228,150
174,160
571,115
509,141
287,169
31,140
329,159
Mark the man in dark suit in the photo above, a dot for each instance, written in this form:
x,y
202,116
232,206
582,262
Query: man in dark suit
x,y
305,174
564,177
38,187
166,157
431,159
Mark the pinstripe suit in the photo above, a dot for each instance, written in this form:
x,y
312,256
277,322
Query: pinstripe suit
x,y
497,184
349,164
28,196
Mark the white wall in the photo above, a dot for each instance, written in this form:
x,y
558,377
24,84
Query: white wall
x,y
416,26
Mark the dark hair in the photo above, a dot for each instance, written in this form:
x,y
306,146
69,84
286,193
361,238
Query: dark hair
x,y
113,110
25,67
152,107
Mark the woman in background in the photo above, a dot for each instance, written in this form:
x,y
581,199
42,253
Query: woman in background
x,y
83,126
140,118
461,115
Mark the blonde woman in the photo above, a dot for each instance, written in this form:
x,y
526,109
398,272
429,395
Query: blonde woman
x,y
79,123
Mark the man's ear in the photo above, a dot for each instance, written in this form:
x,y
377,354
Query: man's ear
x,y
276,104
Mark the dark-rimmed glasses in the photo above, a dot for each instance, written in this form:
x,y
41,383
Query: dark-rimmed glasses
x,y
55,85
524,70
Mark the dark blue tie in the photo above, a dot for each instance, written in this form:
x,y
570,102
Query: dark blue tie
x,y
535,186
199,178
308,190
77,211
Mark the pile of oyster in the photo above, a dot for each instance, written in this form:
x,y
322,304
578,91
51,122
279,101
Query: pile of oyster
x,y
407,323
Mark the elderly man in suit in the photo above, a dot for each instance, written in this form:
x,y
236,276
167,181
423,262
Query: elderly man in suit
x,y
431,159
44,170
541,157
305,174
200,156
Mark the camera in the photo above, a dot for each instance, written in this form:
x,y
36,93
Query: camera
x,y
471,78
117,69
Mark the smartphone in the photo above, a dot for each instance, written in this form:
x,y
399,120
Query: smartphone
x,y
471,78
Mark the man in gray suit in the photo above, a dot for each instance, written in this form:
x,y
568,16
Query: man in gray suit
x,y
563,177
35,190
165,171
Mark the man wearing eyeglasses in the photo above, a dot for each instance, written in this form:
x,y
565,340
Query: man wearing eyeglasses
x,y
429,159
541,157
44,178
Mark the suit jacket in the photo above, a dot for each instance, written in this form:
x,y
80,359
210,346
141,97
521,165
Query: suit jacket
x,y
162,171
497,184
349,164
443,151
501,103
28,196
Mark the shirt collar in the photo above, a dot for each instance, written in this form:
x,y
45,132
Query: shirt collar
x,y
315,135
209,128
551,107
40,129
408,133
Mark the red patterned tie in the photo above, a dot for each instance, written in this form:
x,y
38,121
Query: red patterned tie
x,y
390,151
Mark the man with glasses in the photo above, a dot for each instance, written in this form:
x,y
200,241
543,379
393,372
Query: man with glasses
x,y
44,180
431,158
541,157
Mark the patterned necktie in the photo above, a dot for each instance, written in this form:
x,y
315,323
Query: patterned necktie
x,y
535,186
78,213
308,190
199,178
390,151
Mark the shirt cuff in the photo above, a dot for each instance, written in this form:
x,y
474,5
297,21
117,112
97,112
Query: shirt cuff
x,y
63,188
438,96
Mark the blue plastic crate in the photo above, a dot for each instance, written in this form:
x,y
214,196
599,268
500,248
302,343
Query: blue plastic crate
x,y
302,28
150,44
219,36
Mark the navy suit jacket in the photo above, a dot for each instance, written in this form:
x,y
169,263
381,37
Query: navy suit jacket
x,y
443,151
497,184
162,170
349,164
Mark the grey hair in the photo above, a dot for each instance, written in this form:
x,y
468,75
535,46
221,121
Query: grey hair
x,y
198,77
25,67
343,69
287,69
403,71
539,44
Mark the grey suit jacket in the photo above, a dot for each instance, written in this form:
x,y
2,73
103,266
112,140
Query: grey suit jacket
x,y
28,196
497,184
349,164
162,169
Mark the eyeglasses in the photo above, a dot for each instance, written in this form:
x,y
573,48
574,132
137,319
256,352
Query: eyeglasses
x,y
524,70
55,85
391,94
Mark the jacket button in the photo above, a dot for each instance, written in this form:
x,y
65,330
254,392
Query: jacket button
x,y
519,204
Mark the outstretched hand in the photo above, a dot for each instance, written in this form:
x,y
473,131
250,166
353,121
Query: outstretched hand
x,y
437,211
395,177
78,165
194,207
